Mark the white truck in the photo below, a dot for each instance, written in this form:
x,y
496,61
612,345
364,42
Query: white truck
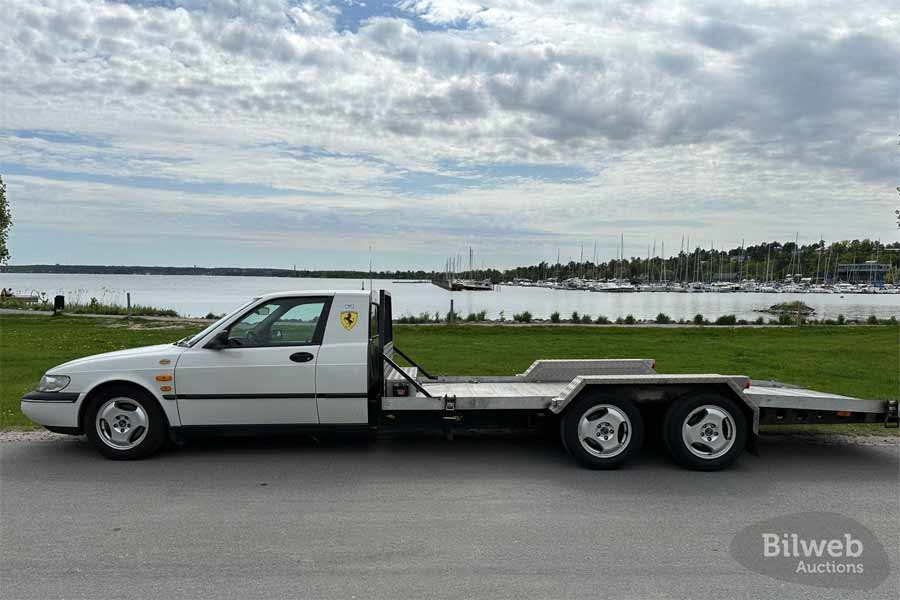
x,y
315,360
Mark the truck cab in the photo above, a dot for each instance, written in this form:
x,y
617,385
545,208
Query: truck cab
x,y
303,359
297,358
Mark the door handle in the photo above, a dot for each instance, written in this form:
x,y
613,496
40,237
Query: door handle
x,y
301,357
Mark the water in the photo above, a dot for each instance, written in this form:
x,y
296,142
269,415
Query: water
x,y
198,295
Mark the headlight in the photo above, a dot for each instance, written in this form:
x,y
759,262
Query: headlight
x,y
53,383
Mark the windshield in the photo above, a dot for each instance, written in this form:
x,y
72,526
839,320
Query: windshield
x,y
190,341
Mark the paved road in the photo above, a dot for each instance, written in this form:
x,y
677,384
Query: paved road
x,y
505,518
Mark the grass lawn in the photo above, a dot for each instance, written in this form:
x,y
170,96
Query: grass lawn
x,y
858,361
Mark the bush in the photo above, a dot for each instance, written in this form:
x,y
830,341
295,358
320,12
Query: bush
x,y
726,320
743,322
502,316
417,320
841,320
892,320
576,318
872,320
760,321
523,317
619,321
785,319
698,319
452,316
586,319
471,317
213,316
554,317
601,320
629,320
663,319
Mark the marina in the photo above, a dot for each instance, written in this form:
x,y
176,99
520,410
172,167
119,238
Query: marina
x,y
805,286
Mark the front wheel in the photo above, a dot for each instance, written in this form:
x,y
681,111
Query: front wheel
x,y
706,432
602,433
125,423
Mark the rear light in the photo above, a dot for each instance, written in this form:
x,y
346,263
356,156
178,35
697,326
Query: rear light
x,y
653,366
747,385
400,389
844,413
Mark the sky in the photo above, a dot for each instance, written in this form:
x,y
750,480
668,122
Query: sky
x,y
273,133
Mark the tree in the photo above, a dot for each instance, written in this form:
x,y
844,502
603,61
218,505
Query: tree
x,y
5,223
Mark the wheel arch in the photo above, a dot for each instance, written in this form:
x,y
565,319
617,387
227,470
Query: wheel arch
x,y
110,383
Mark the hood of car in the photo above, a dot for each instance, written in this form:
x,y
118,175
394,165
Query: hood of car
x,y
133,358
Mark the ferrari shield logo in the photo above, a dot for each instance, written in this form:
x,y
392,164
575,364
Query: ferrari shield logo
x,y
349,319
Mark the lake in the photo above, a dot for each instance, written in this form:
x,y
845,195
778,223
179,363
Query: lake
x,y
198,295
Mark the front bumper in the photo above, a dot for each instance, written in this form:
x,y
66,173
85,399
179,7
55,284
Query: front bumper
x,y
52,409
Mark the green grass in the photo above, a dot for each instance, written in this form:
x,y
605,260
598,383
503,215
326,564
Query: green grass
x,y
858,361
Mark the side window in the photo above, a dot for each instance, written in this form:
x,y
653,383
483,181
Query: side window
x,y
247,324
298,324
283,322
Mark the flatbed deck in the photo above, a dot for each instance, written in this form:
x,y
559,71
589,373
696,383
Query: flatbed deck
x,y
773,401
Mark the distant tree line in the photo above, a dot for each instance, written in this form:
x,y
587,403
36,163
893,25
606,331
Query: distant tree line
x,y
772,261
767,261
220,271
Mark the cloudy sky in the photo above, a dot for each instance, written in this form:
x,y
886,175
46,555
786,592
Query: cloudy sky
x,y
270,132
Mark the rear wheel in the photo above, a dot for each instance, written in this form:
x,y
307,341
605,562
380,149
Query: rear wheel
x,y
706,432
602,433
125,423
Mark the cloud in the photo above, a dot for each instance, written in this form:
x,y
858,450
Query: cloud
x,y
719,35
459,113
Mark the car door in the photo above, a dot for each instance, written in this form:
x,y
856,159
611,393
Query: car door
x,y
264,374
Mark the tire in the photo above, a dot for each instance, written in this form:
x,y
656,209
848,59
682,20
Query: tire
x,y
125,423
602,432
706,432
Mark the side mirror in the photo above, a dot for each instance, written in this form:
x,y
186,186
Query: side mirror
x,y
219,341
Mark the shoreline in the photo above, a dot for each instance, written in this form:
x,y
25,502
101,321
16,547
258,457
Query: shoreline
x,y
483,323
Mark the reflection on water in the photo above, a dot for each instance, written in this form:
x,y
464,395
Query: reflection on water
x,y
199,295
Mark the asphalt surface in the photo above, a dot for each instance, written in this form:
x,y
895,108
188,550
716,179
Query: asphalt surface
x,y
415,518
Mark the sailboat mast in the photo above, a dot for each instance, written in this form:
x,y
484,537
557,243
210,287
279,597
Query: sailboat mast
x,y
663,253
